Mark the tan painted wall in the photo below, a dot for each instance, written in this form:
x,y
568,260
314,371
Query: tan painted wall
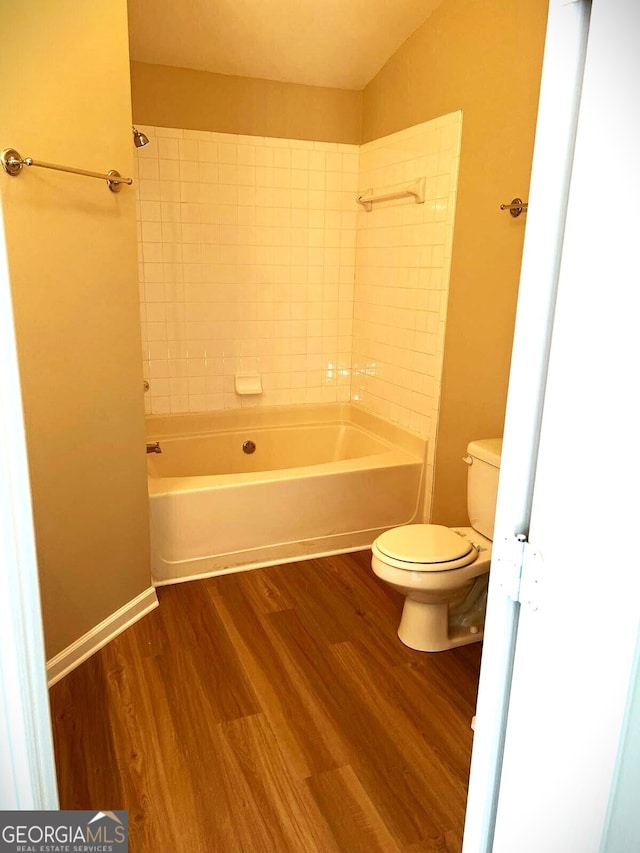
x,y
483,57
165,96
72,259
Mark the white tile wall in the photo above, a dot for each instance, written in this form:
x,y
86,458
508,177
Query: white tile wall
x,y
247,254
402,276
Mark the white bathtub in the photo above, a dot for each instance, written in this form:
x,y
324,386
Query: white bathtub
x,y
322,480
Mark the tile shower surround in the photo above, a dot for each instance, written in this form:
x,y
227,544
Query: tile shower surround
x,y
403,260
255,256
247,256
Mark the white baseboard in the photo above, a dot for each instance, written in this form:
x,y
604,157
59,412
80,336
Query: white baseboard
x,y
97,637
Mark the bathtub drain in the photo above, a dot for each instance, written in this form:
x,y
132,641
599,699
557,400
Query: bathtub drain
x,y
249,446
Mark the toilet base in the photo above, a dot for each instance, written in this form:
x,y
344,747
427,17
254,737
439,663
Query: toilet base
x,y
428,628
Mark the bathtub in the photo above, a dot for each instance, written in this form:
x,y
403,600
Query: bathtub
x,y
321,480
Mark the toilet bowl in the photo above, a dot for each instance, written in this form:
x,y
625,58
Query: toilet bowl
x,y
444,572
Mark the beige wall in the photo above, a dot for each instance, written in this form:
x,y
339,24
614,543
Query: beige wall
x,y
483,57
72,260
199,100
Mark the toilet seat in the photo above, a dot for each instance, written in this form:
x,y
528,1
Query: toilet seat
x,y
424,548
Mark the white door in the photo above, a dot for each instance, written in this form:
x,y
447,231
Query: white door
x,y
27,769
574,652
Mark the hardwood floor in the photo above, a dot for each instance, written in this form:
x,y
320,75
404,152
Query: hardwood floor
x,y
272,711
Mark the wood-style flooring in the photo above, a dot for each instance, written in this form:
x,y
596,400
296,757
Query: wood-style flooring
x,y
272,711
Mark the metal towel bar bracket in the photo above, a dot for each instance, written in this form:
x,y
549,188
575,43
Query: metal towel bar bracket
x,y
12,163
516,207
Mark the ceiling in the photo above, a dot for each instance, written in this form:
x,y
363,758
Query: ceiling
x,y
336,43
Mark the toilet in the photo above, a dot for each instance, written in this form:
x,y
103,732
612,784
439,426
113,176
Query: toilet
x,y
444,571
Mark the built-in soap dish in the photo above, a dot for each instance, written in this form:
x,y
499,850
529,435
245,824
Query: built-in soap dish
x,y
248,383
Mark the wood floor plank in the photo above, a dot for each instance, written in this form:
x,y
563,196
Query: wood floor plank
x,y
373,748
450,843
263,592
165,749
83,742
442,716
426,769
277,808
146,756
355,821
191,685
196,636
347,604
273,710
310,743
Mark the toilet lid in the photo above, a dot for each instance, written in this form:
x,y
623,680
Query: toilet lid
x,y
425,548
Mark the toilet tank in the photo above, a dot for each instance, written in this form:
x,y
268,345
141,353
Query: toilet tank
x,y
482,483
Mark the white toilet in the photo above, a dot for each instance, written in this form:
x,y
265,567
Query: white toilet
x,y
443,571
